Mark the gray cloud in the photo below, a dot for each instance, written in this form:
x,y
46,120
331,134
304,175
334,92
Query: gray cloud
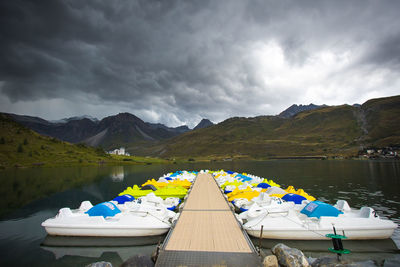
x,y
178,61
387,53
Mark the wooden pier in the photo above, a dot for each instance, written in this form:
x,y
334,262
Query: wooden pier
x,y
207,232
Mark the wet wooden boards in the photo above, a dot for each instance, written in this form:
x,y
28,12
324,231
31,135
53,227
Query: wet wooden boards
x,y
206,222
207,232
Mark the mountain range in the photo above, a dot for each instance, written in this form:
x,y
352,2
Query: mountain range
x,y
204,123
65,120
299,130
110,132
294,109
324,131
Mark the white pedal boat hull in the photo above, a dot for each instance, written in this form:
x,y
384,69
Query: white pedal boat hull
x,y
103,232
296,226
124,224
299,234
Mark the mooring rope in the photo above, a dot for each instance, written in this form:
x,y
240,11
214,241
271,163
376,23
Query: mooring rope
x,y
286,217
149,213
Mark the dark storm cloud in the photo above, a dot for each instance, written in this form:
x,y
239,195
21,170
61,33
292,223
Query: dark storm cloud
x,y
178,61
386,53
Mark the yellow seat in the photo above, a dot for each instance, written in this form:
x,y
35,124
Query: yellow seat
x,y
135,191
155,183
164,192
249,195
184,183
171,191
271,183
300,192
235,183
235,193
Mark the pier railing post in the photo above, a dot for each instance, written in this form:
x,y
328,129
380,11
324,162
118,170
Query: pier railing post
x,y
259,240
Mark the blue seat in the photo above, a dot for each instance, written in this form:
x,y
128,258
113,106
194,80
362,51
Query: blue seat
x,y
297,199
105,209
263,185
124,198
318,209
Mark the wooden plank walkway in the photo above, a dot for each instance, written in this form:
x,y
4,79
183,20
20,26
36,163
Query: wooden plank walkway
x,y
207,225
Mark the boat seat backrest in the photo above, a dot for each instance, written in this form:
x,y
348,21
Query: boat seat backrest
x,y
131,206
365,212
342,205
85,205
65,212
305,202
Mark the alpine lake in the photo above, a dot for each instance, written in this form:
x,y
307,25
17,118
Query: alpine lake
x,y
30,196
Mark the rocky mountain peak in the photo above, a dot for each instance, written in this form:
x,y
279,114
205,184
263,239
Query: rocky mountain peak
x,y
204,123
294,109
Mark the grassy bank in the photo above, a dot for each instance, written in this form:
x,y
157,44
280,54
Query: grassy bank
x,y
21,148
326,132
332,132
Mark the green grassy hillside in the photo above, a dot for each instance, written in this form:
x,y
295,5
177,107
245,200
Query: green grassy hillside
x,y
22,147
328,131
383,123
311,133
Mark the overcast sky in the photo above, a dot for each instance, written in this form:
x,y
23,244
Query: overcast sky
x,y
176,62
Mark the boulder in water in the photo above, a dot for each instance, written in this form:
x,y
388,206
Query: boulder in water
x,y
289,257
138,261
392,262
270,261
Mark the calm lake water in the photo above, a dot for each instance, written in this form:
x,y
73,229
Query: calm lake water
x,y
32,195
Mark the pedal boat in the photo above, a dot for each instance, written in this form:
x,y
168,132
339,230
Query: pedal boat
x,y
110,219
314,221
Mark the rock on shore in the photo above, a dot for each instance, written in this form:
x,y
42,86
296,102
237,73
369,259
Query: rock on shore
x,y
289,257
285,256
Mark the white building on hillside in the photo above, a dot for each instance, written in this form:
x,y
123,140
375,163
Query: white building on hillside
x,y
120,151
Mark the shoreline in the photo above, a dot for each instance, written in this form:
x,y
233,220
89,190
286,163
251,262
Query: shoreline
x,y
160,161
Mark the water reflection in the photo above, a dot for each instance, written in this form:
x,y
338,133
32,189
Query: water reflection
x,y
121,254
97,247
21,187
32,195
67,186
117,174
20,239
89,241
